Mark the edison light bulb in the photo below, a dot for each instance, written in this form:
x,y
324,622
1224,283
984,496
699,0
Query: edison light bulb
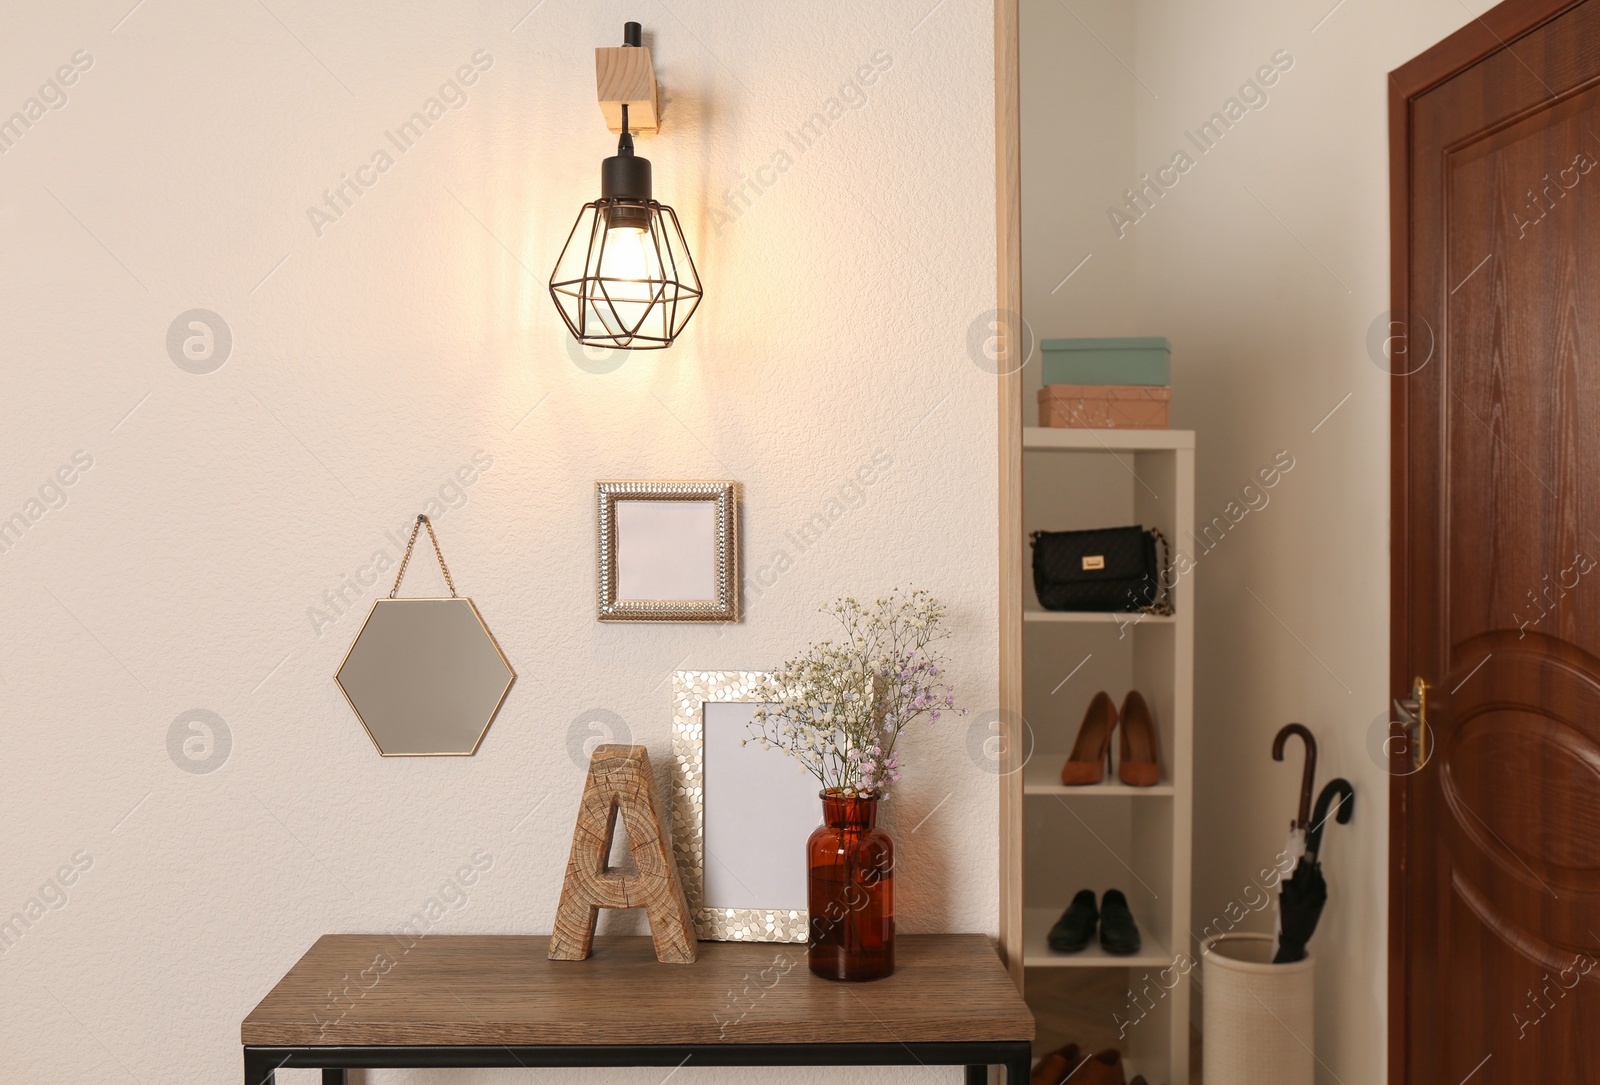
x,y
629,274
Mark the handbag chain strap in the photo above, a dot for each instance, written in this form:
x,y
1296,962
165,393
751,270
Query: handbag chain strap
x,y
1163,603
422,521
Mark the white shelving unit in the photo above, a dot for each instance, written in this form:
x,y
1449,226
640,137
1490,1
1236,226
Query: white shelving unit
x,y
1094,616
1110,835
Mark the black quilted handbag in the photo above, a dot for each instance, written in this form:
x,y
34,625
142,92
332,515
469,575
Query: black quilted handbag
x,y
1108,569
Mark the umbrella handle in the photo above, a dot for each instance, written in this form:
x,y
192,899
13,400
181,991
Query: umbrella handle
x,y
1341,790
1308,778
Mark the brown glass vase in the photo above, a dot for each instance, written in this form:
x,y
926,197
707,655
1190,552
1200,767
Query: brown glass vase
x,y
850,891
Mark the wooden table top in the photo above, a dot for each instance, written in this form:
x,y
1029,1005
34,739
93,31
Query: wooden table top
x,y
371,989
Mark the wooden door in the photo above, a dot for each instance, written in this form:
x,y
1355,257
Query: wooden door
x,y
1495,847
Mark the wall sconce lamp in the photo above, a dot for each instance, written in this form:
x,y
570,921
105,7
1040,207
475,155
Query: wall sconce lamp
x,y
625,278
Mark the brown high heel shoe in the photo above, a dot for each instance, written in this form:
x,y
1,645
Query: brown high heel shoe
x,y
1140,764
1091,752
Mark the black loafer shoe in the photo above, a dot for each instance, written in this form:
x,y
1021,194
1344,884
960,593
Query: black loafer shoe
x,y
1119,934
1074,930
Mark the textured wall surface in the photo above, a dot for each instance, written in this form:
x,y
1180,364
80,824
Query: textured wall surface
x,y
233,508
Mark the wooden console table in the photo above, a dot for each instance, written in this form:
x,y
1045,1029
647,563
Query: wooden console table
x,y
386,1000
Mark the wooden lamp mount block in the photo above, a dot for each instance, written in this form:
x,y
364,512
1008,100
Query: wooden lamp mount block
x,y
620,782
624,76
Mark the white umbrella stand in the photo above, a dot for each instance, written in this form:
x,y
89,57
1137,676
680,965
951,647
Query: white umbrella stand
x,y
1259,1023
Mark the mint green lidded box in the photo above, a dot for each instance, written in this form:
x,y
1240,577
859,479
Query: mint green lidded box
x,y
1107,361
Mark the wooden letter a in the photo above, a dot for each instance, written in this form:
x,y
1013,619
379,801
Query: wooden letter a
x,y
620,781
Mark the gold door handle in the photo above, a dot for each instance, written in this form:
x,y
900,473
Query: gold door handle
x,y
1413,712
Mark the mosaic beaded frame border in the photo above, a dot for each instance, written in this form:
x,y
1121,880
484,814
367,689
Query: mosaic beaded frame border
x,y
724,608
691,691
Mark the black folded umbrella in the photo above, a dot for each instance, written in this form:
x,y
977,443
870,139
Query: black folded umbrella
x,y
1305,894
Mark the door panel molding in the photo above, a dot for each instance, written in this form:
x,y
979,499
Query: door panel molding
x,y
1535,948
1490,32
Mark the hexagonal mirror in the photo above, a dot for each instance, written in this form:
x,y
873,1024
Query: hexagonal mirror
x,y
425,677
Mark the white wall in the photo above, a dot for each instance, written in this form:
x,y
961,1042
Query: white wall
x,y
371,363
1266,264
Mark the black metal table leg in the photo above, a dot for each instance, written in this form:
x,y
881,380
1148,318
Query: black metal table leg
x,y
333,1077
1019,1064
977,1075
258,1068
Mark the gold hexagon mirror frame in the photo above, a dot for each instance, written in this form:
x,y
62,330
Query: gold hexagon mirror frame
x,y
425,677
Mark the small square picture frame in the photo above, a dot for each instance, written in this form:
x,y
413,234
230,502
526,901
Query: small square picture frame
x,y
667,551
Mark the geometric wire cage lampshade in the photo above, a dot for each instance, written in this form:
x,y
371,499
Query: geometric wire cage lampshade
x,y
625,278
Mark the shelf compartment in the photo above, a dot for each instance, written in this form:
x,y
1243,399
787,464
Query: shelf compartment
x,y
1036,951
1042,776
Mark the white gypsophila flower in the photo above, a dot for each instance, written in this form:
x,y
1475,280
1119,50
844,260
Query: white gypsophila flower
x,y
840,706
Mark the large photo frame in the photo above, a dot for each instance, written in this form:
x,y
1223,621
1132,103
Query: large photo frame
x,y
741,813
